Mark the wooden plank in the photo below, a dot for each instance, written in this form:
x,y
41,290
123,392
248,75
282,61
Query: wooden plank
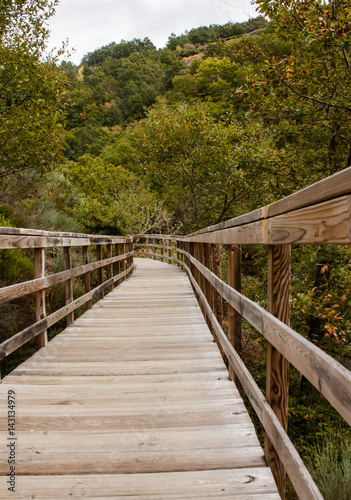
x,y
32,331
8,241
234,318
277,368
327,222
194,484
331,378
299,475
67,261
87,276
217,270
332,187
40,296
19,290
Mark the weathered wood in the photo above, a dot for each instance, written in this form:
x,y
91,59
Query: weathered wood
x,y
67,261
40,296
222,483
334,186
299,475
234,318
32,331
110,266
8,241
100,269
87,276
277,382
19,290
331,378
137,399
217,270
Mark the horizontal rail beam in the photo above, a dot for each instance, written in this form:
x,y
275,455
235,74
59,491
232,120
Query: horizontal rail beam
x,y
9,240
20,289
32,331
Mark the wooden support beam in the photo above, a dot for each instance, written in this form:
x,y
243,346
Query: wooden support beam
x,y
67,260
234,318
161,243
87,276
277,385
207,263
217,270
100,271
40,297
110,266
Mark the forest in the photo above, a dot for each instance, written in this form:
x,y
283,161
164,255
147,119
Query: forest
x,y
219,122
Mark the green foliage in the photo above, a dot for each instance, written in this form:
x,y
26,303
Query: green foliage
x,y
331,468
32,90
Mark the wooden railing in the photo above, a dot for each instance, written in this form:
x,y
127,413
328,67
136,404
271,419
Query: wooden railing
x,y
319,214
118,252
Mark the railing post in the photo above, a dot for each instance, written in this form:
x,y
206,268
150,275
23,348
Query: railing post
x,y
146,248
154,248
170,244
117,264
67,259
234,318
161,242
40,297
207,263
110,266
100,270
124,264
217,270
277,385
87,276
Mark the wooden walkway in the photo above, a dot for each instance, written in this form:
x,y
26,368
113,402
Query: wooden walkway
x,y
133,402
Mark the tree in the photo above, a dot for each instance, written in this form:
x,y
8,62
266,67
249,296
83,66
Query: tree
x,y
32,90
306,93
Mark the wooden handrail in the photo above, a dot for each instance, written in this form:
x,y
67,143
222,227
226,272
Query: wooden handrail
x,y
318,214
39,241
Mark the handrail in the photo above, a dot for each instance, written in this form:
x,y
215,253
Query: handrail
x,y
318,214
11,238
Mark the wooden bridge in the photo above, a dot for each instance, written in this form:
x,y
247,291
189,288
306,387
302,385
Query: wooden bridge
x,y
133,399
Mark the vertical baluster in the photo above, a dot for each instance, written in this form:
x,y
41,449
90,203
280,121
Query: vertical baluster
x,y
217,270
234,318
67,259
117,264
87,276
161,243
277,386
100,270
40,297
110,266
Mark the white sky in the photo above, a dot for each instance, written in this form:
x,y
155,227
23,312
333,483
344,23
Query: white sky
x,y
90,24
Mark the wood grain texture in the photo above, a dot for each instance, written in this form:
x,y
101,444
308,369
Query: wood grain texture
x,y
234,318
137,399
32,331
299,475
67,261
87,276
331,378
40,296
277,367
19,290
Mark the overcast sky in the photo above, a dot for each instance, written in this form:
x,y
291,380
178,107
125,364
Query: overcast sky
x,y
90,24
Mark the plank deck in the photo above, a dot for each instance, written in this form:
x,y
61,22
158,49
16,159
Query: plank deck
x,y
133,401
